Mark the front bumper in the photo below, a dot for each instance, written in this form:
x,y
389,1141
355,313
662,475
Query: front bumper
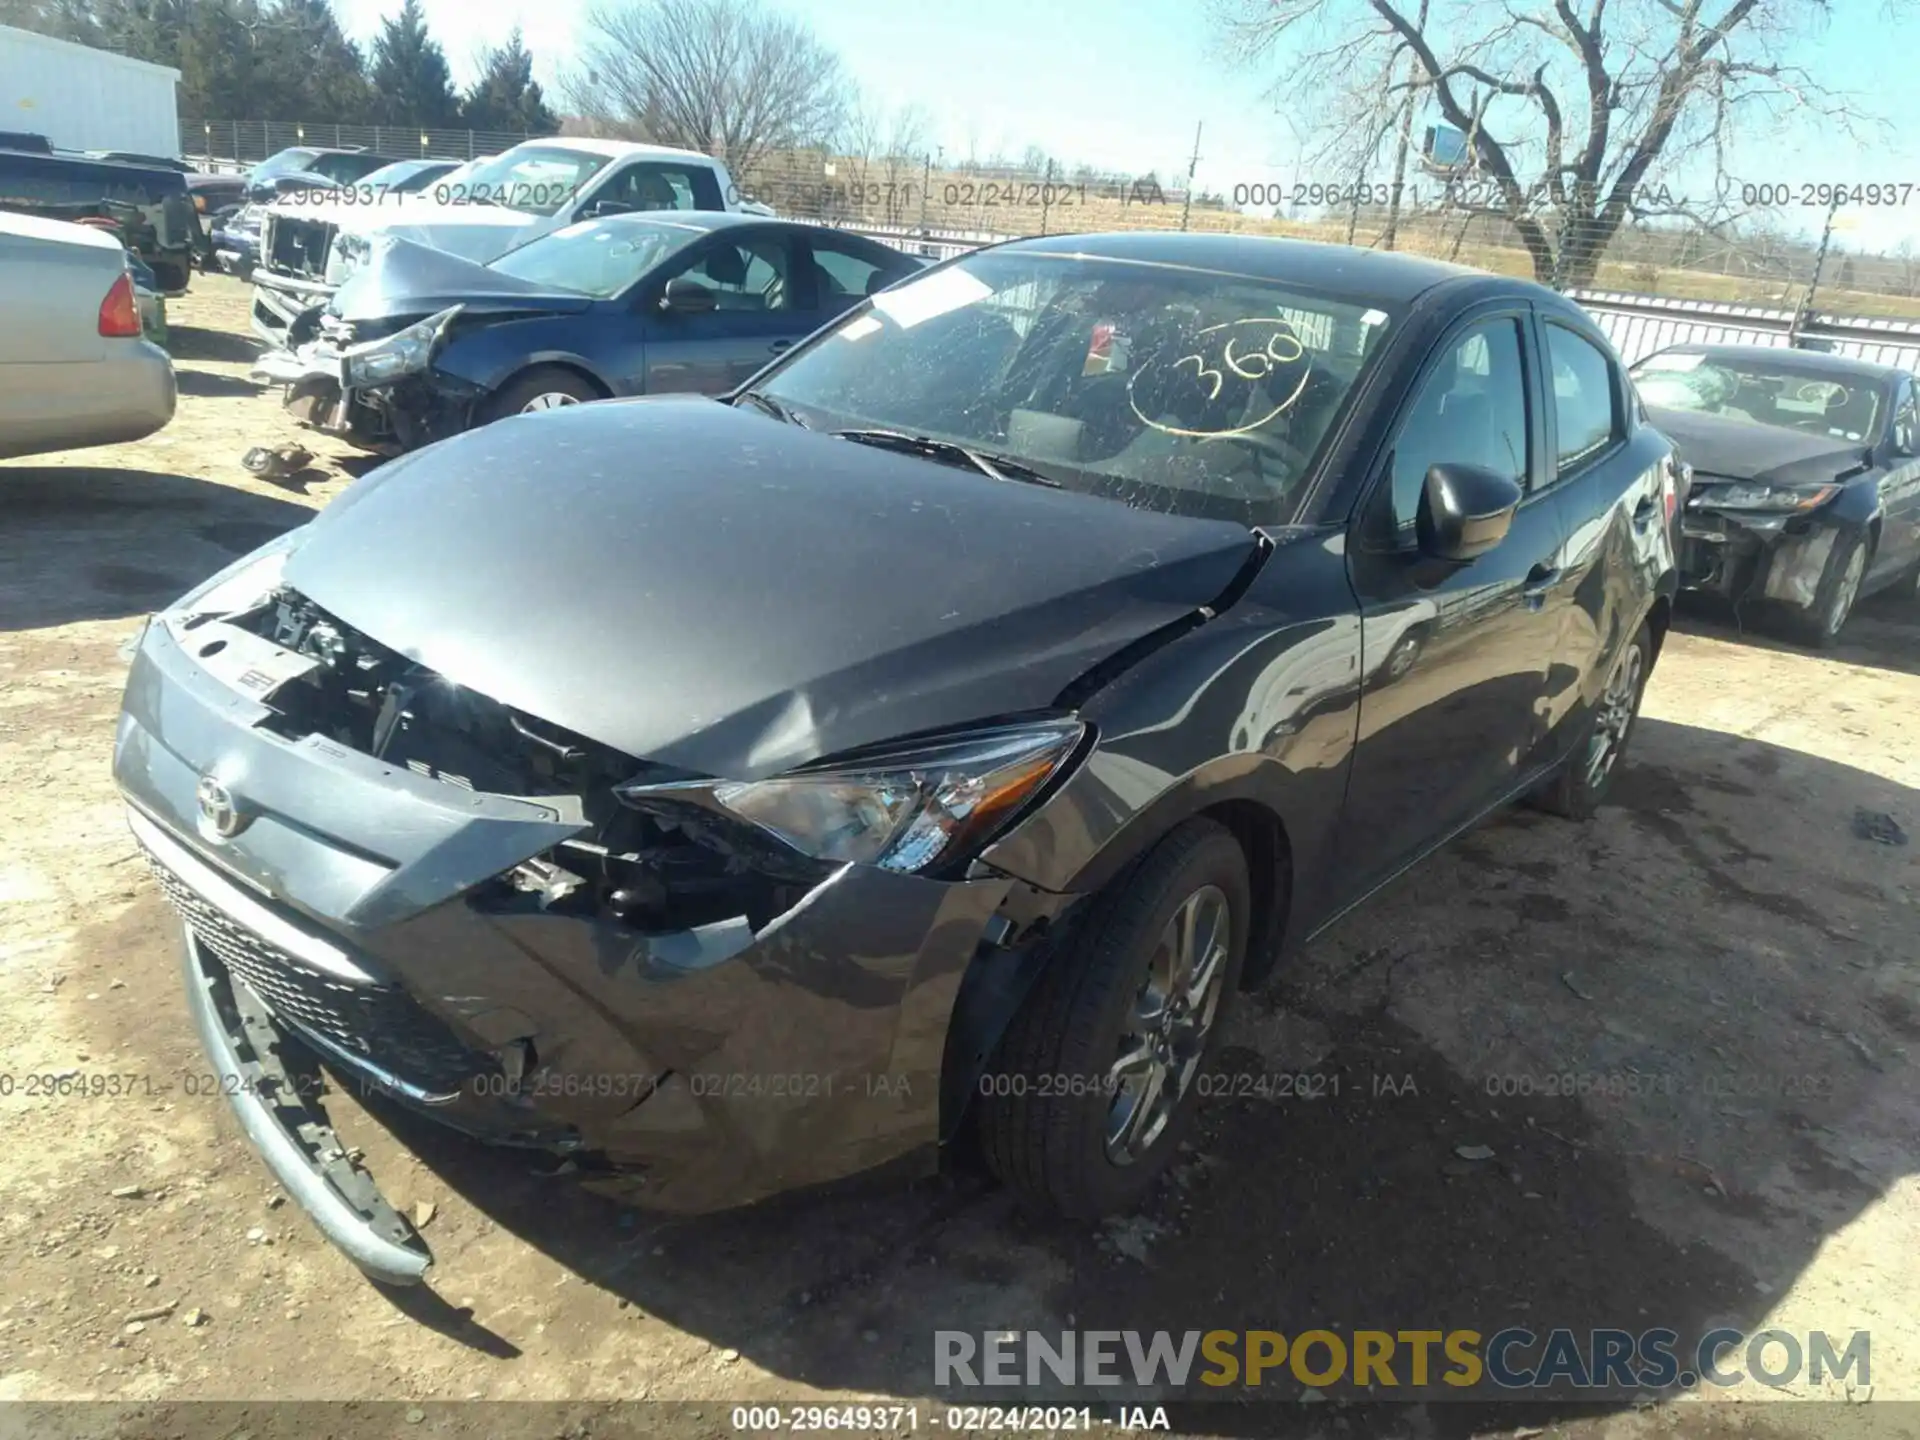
x,y
413,411
279,300
1742,555
691,1071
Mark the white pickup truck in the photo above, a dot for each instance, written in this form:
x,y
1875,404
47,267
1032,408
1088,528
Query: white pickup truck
x,y
310,243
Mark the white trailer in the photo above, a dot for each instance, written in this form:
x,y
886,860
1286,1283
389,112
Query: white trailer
x,y
86,99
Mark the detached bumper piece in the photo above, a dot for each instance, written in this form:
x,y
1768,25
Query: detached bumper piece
x,y
245,1047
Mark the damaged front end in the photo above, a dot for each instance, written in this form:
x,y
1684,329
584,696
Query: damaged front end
x,y
372,384
1749,541
527,935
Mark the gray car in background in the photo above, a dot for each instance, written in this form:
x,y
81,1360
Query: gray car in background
x,y
75,369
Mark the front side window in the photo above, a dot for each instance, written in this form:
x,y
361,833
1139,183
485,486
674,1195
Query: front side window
x,y
1586,405
751,275
1190,392
1471,410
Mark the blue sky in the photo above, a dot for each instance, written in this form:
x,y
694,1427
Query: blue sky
x,y
1122,84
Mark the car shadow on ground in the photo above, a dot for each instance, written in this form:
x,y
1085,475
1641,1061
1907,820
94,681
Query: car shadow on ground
x,y
1525,1087
99,544
190,342
208,384
1884,632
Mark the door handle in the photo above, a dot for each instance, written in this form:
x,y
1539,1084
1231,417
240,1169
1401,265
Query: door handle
x,y
777,346
1540,580
1644,511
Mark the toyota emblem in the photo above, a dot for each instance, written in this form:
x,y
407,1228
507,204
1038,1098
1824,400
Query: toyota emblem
x,y
220,815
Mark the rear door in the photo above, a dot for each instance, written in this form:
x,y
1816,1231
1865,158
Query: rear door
x,y
1900,486
756,313
1454,659
1607,476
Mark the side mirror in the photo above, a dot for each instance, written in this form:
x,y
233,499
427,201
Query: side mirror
x,y
600,208
1465,510
686,296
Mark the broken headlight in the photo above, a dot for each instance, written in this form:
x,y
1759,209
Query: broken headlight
x,y
1747,495
903,808
379,362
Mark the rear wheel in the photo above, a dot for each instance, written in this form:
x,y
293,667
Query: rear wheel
x,y
546,388
1583,781
1093,1083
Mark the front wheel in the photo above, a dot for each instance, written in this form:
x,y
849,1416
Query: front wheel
x,y
1094,1082
547,388
1583,781
1820,623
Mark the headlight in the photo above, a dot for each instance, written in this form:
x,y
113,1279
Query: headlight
x,y
901,809
243,584
1744,495
349,254
411,350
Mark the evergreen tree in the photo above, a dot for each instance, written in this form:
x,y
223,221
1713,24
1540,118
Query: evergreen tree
x,y
411,82
506,96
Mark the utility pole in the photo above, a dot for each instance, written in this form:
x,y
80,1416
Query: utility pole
x,y
1186,207
1805,311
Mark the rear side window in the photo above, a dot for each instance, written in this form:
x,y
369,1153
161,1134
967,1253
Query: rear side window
x,y
1586,403
1472,410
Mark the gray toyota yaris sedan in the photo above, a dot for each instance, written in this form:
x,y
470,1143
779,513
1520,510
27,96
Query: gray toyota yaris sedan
x,y
927,739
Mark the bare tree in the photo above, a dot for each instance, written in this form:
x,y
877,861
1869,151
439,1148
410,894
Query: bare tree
x,y
728,77
1575,112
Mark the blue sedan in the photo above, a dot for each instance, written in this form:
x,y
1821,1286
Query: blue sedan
x,y
421,344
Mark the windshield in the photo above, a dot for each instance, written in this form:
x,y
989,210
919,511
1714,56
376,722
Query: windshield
x,y
1195,393
533,178
1761,393
595,257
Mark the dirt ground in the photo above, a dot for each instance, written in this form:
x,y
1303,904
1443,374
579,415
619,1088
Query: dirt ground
x,y
1724,931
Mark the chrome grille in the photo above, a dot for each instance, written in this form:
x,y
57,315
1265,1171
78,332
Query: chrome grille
x,y
380,1024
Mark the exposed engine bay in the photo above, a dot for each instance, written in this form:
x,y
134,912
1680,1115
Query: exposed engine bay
x,y
663,867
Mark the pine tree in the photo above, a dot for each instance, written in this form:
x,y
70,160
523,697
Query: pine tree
x,y
411,82
506,96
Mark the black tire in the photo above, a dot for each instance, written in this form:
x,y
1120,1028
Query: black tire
x,y
1045,1106
1577,789
525,389
1818,627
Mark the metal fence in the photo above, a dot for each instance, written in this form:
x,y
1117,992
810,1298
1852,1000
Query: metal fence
x,y
1638,325
236,144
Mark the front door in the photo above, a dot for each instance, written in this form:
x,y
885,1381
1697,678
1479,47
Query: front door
x,y
754,316
1453,657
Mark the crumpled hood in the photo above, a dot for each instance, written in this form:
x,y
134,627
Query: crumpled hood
x,y
710,588
401,278
1742,450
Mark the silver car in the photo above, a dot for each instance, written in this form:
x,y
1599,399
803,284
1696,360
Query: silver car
x,y
75,369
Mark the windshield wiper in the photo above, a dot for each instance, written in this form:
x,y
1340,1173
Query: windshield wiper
x,y
779,409
997,467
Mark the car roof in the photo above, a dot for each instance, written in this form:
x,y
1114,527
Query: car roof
x,y
1812,362
1335,269
710,220
615,149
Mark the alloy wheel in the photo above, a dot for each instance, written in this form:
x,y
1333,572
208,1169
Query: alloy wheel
x,y
1615,716
1846,590
551,401
1168,1023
